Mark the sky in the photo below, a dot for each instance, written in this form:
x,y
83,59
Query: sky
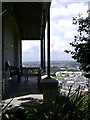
x,y
62,31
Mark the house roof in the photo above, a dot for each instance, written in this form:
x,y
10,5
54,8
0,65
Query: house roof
x,y
29,16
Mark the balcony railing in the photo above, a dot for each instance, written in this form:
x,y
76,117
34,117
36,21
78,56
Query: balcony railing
x,y
31,71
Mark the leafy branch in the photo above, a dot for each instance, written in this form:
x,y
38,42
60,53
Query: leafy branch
x,y
81,43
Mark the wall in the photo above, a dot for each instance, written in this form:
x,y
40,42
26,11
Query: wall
x,y
11,41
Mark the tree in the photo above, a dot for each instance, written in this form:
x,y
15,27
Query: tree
x,y
81,43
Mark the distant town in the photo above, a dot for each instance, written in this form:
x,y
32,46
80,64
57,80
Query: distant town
x,y
67,73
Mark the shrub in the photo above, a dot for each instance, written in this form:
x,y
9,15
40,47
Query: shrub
x,y
74,106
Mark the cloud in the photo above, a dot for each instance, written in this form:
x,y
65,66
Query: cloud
x,y
62,30
31,50
30,45
67,10
57,44
74,1
69,35
30,56
60,56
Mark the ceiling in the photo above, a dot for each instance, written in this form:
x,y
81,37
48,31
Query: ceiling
x,y
29,17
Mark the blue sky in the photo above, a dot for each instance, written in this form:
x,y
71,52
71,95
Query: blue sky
x,y
62,31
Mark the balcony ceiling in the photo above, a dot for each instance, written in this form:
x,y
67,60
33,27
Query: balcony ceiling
x,y
29,18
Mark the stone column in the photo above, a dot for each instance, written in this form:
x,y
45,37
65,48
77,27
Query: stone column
x,y
49,88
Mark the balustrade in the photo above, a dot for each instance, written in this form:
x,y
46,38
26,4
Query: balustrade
x,y
31,71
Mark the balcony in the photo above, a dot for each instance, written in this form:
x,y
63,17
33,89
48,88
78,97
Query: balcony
x,y
14,88
15,29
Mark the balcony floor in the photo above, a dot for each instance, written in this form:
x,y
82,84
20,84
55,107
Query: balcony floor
x,y
22,88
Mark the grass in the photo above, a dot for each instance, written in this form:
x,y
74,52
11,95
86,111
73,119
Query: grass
x,y
60,78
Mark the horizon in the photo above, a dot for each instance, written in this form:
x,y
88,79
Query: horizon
x,y
54,61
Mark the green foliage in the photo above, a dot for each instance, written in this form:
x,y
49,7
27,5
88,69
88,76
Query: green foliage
x,y
81,43
74,106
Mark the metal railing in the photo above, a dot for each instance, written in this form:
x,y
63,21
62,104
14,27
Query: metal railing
x,y
31,71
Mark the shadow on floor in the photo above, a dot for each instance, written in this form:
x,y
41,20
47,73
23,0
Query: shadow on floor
x,y
17,107
22,88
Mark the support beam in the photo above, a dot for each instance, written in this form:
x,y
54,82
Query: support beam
x,y
20,54
44,41
42,53
44,68
48,44
48,84
2,44
1,57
